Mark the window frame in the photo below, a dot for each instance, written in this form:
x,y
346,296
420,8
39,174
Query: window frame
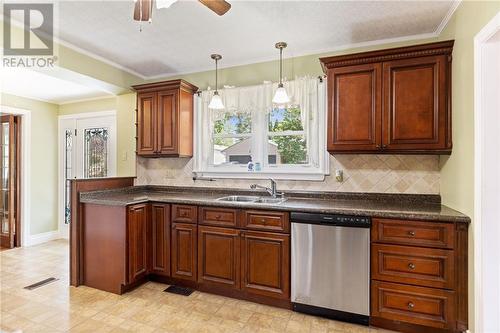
x,y
260,134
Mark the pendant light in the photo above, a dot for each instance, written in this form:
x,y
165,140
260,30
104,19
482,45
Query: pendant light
x,y
280,96
216,101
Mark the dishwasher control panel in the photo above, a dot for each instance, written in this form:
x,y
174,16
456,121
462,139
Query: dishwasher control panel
x,y
331,219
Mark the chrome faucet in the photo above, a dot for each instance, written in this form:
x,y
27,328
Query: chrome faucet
x,y
271,190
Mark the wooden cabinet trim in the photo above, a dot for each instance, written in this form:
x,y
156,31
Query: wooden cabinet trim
x,y
416,305
184,214
213,272
413,265
252,268
189,250
372,140
418,233
265,221
217,216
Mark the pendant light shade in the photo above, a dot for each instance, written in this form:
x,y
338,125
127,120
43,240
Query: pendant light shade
x,y
216,101
281,96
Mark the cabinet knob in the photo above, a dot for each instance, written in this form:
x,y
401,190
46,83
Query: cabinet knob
x,y
173,226
263,221
377,146
411,233
218,217
411,305
384,146
411,265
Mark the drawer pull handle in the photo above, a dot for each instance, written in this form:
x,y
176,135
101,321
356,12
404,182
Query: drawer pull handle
x,y
411,233
184,214
411,265
411,305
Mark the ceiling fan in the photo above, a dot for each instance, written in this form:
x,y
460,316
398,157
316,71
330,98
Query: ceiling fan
x,y
143,9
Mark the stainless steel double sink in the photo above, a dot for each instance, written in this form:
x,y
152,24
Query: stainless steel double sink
x,y
252,199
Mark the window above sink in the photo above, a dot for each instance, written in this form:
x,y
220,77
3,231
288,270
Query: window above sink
x,y
281,141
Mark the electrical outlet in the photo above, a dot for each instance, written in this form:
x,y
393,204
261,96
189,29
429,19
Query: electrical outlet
x,y
339,176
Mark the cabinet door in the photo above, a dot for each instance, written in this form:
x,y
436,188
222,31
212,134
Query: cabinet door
x,y
137,233
167,122
354,108
184,251
415,115
160,233
219,256
146,123
266,264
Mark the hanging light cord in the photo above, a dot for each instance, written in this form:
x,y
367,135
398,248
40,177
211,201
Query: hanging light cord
x,y
281,67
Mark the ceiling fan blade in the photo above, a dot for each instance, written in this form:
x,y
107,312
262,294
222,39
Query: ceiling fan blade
x,y
147,9
220,7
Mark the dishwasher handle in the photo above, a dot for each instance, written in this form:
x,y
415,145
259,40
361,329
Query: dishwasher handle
x,y
333,220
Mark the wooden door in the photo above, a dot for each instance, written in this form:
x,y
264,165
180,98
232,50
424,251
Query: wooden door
x,y
219,256
167,122
265,264
354,108
415,115
160,234
8,181
184,249
146,124
137,234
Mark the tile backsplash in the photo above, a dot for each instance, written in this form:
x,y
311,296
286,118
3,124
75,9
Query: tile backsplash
x,y
413,174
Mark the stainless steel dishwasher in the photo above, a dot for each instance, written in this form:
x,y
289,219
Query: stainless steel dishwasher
x,y
331,266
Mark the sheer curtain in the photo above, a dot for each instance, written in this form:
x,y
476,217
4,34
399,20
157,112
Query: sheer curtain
x,y
308,93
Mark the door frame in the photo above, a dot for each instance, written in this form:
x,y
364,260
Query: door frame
x,y
63,229
481,226
25,171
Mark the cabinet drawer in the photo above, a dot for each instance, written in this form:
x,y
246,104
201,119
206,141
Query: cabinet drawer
x,y
415,305
184,214
218,216
265,220
432,234
413,265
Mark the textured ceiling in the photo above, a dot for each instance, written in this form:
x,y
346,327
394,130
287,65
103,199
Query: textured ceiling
x,y
182,37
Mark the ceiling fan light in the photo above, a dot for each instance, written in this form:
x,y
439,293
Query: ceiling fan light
x,y
280,96
216,102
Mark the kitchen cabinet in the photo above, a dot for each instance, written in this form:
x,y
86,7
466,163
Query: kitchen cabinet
x,y
219,256
160,239
184,251
390,101
265,265
137,235
419,275
164,126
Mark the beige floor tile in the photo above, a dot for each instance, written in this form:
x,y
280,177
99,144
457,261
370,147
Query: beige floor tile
x,y
57,307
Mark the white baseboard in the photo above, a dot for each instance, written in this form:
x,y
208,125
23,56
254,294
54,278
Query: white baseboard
x,y
42,238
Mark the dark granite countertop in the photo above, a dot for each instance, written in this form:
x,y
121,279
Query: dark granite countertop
x,y
404,206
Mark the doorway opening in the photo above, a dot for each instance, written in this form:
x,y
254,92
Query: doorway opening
x,y
487,178
10,181
87,149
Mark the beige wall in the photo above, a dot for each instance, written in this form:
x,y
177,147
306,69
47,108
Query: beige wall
x,y
43,175
457,170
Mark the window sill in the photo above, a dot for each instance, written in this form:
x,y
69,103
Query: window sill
x,y
277,175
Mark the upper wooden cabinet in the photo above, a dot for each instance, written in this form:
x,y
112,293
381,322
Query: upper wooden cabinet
x,y
165,119
390,101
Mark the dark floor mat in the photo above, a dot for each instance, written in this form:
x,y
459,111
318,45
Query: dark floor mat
x,y
40,283
179,290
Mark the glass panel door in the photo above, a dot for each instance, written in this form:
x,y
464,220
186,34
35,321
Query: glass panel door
x,y
8,181
88,150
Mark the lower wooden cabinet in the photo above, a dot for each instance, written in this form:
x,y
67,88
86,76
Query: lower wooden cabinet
x,y
184,250
160,239
137,236
416,305
219,256
265,264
